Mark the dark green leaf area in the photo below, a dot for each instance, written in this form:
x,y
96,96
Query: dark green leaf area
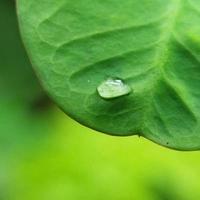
x,y
152,47
17,80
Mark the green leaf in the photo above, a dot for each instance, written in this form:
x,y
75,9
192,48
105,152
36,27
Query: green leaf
x,y
153,47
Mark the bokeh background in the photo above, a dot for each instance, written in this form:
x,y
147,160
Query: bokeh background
x,y
45,155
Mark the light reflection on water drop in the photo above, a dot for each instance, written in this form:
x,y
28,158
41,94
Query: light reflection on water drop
x,y
113,88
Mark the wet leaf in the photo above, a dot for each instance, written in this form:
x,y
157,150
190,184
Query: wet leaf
x,y
153,46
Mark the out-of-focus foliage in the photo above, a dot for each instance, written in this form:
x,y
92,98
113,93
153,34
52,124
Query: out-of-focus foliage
x,y
76,163
46,156
23,118
16,75
22,102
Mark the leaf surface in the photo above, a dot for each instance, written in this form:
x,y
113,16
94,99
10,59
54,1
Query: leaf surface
x,y
152,46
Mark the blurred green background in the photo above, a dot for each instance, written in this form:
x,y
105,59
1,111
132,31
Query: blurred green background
x,y
44,155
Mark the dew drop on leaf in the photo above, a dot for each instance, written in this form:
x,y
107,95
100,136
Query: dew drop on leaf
x,y
113,88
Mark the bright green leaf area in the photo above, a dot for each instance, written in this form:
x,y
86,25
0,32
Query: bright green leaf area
x,y
152,45
76,163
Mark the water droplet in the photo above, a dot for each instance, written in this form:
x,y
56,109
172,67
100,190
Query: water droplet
x,y
113,88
